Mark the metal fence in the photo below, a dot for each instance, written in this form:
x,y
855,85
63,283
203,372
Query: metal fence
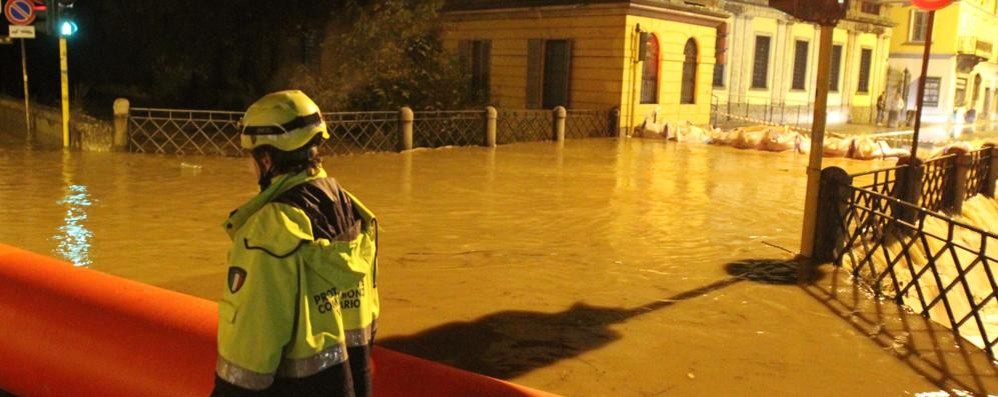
x,y
588,124
178,131
765,110
446,128
938,266
359,132
183,131
522,125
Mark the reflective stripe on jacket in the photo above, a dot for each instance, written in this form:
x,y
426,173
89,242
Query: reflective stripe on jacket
x,y
280,314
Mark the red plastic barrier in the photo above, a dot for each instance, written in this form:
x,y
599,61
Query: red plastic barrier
x,y
69,331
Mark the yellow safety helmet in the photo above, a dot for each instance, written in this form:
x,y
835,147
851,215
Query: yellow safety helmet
x,y
286,120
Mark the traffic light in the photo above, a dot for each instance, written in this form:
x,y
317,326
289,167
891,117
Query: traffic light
x,y
66,23
43,24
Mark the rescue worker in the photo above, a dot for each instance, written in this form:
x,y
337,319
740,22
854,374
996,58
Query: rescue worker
x,y
296,247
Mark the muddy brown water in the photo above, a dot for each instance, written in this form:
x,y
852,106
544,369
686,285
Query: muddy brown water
x,y
602,268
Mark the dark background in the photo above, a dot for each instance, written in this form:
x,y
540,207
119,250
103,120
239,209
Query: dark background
x,y
350,55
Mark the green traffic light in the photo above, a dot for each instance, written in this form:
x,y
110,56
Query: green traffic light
x,y
67,28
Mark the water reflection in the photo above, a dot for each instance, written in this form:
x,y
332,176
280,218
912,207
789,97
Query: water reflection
x,y
74,237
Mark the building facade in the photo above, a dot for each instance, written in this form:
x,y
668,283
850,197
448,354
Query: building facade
x,y
962,79
642,56
767,68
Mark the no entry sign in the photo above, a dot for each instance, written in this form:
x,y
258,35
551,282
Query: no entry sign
x,y
19,12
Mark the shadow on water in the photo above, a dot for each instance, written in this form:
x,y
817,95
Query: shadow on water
x,y
511,343
931,350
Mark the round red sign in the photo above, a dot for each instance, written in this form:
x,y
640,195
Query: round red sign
x,y
930,5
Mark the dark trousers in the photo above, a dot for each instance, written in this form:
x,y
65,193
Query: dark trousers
x,y
335,381
360,367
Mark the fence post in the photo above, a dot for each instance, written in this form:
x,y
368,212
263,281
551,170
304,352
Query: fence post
x,y
833,199
907,188
988,189
121,112
559,123
955,194
491,115
614,125
406,118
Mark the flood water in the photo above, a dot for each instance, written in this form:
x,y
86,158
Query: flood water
x,y
596,269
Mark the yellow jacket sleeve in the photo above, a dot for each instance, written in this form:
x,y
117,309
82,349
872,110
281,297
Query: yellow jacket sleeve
x,y
258,307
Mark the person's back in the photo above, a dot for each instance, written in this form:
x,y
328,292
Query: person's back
x,y
296,246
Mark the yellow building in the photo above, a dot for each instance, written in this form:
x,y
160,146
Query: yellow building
x,y
588,54
963,74
770,71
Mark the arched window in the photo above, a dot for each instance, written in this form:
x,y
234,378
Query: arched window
x,y
688,94
649,74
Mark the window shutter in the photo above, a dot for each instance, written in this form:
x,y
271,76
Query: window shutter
x,y
464,54
535,68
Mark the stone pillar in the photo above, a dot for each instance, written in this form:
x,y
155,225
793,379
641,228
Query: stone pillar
x,y
832,205
491,115
121,113
406,118
614,123
559,124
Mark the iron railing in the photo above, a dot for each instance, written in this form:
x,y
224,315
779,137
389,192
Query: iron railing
x,y
521,125
765,110
178,131
940,267
938,177
588,124
359,132
978,171
445,128
895,239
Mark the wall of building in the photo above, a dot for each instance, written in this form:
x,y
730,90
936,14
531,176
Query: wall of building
x,y
965,29
845,102
597,64
672,37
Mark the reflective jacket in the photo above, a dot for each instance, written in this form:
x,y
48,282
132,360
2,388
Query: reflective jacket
x,y
361,305
280,314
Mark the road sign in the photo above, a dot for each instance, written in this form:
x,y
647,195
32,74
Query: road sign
x,y
931,5
22,32
19,12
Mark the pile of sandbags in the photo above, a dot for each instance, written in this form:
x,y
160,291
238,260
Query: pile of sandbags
x,y
782,138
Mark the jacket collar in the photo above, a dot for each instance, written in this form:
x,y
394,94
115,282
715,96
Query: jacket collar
x,y
278,185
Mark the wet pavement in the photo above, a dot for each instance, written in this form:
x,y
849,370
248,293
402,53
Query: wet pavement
x,y
603,268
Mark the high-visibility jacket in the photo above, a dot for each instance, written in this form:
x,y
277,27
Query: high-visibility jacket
x,y
280,314
361,305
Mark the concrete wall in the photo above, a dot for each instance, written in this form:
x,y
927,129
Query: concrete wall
x,y
95,135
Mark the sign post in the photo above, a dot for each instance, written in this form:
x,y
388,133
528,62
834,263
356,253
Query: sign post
x,y
931,6
825,13
64,80
20,14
